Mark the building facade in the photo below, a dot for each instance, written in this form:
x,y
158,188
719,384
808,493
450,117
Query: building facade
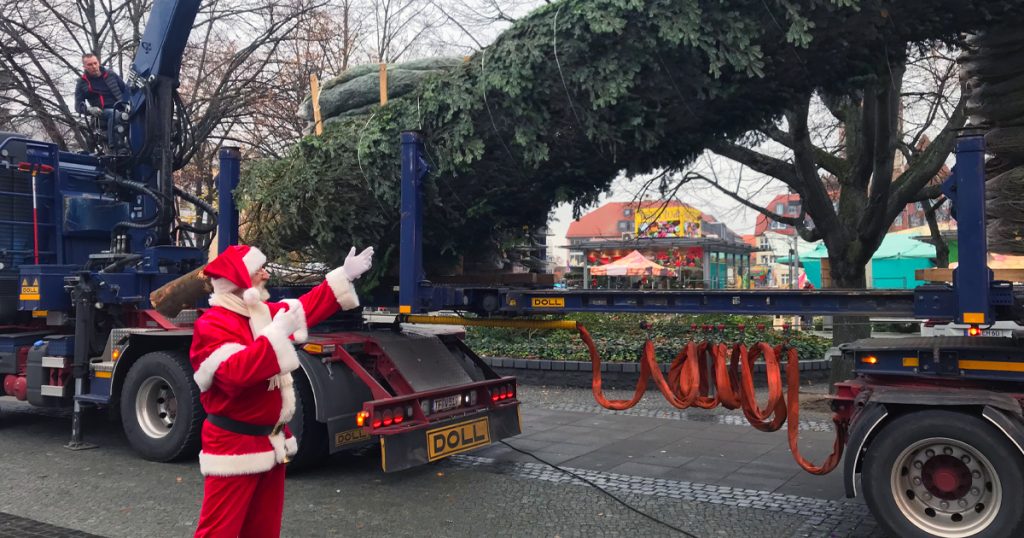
x,y
702,252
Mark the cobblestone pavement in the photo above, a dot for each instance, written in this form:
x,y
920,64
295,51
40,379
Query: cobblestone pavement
x,y
700,471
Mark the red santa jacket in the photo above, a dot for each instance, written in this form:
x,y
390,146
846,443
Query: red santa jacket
x,y
243,369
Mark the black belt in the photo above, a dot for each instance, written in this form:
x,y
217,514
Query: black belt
x,y
244,428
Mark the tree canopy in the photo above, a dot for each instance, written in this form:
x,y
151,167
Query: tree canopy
x,y
567,99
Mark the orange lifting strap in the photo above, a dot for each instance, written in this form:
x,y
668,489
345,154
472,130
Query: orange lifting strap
x,y
689,384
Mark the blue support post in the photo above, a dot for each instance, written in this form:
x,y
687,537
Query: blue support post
x,y
410,269
972,279
227,214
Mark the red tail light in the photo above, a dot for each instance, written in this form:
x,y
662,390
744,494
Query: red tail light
x,y
973,331
388,417
496,395
398,417
377,421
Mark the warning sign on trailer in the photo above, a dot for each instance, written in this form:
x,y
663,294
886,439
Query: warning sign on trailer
x,y
548,302
29,292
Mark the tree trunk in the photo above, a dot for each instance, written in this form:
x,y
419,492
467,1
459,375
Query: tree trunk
x,y
181,293
941,248
845,329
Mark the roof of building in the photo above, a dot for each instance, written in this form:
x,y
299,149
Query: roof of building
x,y
762,223
604,221
894,246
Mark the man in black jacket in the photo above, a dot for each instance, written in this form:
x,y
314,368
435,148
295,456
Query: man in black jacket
x,y
98,88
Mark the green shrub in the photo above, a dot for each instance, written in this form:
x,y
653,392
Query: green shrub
x,y
620,337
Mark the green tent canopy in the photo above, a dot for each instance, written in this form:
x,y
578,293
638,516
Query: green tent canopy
x,y
893,265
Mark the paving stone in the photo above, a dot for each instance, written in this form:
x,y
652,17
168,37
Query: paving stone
x,y
11,525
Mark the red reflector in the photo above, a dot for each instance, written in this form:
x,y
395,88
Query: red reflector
x,y
42,168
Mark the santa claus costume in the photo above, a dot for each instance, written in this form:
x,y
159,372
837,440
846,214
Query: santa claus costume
x,y
243,355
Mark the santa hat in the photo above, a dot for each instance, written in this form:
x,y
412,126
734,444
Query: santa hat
x,y
234,268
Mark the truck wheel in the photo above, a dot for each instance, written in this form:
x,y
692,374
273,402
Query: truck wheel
x,y
309,433
160,409
944,473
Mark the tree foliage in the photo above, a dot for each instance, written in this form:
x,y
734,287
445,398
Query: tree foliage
x,y
566,100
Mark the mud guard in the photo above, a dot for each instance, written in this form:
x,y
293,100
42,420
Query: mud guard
x,y
338,395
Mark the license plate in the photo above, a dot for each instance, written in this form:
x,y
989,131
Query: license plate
x,y
456,438
446,403
1000,333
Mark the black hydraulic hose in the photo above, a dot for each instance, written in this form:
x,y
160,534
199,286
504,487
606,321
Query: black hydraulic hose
x,y
196,201
121,263
203,206
184,128
142,189
149,126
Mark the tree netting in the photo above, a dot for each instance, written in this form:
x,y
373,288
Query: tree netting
x,y
357,91
563,102
994,67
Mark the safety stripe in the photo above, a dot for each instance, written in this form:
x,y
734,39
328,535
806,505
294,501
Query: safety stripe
x,y
995,366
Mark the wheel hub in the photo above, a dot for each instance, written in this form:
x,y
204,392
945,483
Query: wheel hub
x,y
946,477
156,407
946,487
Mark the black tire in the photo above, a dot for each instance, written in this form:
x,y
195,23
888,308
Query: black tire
x,y
160,409
905,497
310,433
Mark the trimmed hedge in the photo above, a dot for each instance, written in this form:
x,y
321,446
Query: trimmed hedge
x,y
619,337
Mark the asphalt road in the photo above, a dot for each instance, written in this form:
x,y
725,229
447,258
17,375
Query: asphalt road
x,y
701,471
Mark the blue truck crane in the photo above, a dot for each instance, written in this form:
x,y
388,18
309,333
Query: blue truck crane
x,y
85,239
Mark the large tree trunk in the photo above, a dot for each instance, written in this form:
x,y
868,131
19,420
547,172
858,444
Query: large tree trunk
x,y
941,248
847,275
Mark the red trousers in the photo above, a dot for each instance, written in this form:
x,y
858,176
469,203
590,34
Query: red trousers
x,y
246,505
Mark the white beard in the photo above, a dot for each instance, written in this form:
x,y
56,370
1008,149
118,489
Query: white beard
x,y
264,294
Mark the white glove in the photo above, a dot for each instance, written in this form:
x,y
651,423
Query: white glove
x,y
357,264
95,111
287,321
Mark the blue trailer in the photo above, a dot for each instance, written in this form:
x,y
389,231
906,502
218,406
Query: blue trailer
x,y
934,426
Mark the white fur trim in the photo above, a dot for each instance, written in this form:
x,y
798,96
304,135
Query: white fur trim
x,y
204,375
253,260
287,358
259,312
302,334
291,446
287,389
277,441
237,464
251,297
222,285
343,290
